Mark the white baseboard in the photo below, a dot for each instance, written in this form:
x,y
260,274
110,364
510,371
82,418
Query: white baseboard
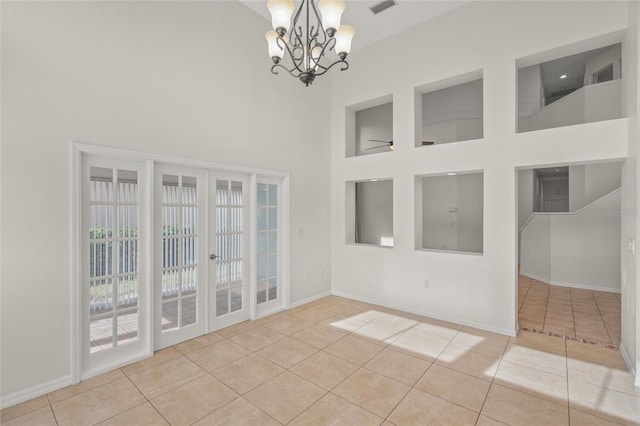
x,y
309,299
566,284
34,391
630,364
509,332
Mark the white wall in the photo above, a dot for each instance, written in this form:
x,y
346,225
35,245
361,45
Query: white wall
x,y
576,188
462,286
374,206
589,182
555,195
453,114
588,104
530,91
373,123
630,346
173,78
609,56
575,249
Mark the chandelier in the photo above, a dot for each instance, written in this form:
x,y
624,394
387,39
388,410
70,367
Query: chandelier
x,y
307,45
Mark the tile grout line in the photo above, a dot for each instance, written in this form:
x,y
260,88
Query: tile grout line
x,y
602,318
566,363
493,379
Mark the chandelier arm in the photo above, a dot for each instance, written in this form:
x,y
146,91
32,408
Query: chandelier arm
x,y
328,45
320,28
341,61
282,44
290,71
295,19
296,61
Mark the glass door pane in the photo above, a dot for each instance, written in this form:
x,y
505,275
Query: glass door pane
x,y
267,243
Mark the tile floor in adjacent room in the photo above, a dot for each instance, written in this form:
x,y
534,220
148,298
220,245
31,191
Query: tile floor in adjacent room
x,y
341,362
592,316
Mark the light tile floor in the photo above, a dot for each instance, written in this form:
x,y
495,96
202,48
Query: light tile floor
x,y
591,316
340,362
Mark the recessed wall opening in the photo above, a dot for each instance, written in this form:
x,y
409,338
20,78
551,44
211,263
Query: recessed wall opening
x,y
449,212
578,88
450,110
569,222
370,212
369,127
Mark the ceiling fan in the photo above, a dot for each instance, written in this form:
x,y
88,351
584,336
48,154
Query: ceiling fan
x,y
390,144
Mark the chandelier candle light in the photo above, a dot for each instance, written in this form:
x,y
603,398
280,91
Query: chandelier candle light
x,y
307,46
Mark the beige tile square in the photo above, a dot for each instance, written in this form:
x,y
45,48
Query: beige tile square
x,y
377,334
198,342
487,421
319,336
257,338
395,320
517,408
85,385
237,329
273,317
193,400
287,352
162,378
373,392
324,369
23,408
427,348
218,354
289,325
40,417
459,388
143,414
315,315
285,396
420,408
398,366
335,411
470,362
532,381
577,417
481,341
595,354
541,342
535,358
158,358
238,413
613,378
433,330
247,373
345,322
98,404
616,406
353,349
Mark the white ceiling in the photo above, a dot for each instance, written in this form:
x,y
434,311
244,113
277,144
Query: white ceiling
x,y
371,28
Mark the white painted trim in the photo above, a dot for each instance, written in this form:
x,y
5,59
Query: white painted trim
x,y
75,226
567,284
105,151
505,331
629,364
309,299
35,391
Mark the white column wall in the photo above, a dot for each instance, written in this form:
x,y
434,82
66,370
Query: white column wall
x,y
476,290
171,78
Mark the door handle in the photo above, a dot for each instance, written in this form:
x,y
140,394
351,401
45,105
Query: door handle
x,y
213,256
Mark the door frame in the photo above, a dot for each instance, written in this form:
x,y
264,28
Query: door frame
x,y
76,150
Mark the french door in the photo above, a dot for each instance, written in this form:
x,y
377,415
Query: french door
x,y
180,254
114,286
201,279
229,226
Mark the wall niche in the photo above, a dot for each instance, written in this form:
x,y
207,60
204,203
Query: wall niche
x,y
450,110
449,212
369,206
369,127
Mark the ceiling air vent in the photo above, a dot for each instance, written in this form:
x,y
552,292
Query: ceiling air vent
x,y
383,5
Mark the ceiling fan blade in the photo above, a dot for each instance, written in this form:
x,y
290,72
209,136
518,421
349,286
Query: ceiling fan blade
x,y
374,147
377,140
427,143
